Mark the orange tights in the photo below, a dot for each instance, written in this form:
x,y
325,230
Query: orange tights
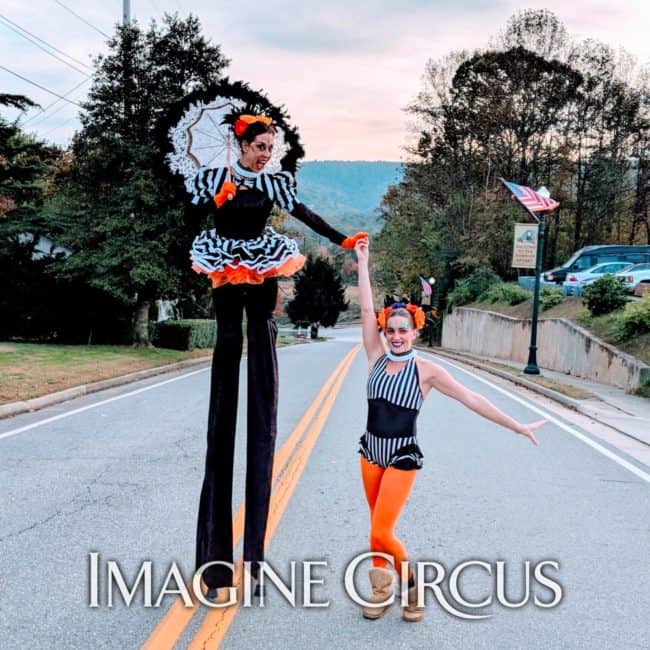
x,y
386,492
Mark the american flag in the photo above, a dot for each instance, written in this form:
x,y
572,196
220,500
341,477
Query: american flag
x,y
426,287
530,199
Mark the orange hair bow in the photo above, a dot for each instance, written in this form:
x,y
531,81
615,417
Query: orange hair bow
x,y
416,314
244,121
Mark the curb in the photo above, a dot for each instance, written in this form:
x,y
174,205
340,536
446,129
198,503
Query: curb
x,y
16,408
542,390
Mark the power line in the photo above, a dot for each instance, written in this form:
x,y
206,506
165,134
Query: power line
x,y
31,40
47,90
83,20
43,118
44,135
56,49
54,103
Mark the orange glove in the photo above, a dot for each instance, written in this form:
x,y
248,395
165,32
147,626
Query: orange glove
x,y
349,242
226,193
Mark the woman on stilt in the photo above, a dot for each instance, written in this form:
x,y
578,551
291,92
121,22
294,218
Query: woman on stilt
x,y
243,258
398,383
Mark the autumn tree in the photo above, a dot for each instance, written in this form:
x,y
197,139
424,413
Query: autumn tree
x,y
535,107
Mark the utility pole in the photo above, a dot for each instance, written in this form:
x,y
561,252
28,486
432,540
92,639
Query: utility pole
x,y
126,12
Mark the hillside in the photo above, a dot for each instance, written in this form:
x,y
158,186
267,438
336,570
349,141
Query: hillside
x,y
347,193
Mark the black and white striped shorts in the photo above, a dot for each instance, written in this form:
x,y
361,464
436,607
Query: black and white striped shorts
x,y
402,452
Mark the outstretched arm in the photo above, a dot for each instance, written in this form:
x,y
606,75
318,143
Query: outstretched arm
x,y
283,191
317,224
371,339
441,380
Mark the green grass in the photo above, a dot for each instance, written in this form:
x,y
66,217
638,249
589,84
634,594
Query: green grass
x,y
43,354
30,370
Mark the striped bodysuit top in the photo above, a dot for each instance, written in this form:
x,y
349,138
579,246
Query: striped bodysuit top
x,y
394,402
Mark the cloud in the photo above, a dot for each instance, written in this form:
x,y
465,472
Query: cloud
x,y
344,70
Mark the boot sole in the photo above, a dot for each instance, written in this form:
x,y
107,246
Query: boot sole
x,y
413,618
372,616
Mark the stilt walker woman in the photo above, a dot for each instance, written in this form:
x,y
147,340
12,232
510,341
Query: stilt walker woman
x,y
398,383
246,155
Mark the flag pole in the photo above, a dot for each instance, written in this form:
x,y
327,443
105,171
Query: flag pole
x,y
531,367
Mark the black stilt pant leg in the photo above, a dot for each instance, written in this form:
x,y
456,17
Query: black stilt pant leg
x,y
214,538
262,416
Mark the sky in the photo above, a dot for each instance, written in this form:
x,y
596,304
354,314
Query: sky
x,y
345,71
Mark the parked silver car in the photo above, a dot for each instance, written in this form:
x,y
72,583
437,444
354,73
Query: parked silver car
x,y
576,282
635,275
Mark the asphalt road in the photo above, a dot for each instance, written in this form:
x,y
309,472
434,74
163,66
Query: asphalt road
x,y
119,474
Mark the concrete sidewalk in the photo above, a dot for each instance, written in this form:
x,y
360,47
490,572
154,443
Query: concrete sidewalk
x,y
628,414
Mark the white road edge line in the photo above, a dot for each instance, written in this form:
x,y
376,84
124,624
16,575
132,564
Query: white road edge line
x,y
606,452
54,418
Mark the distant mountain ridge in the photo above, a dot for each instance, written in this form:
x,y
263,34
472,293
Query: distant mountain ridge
x,y
347,193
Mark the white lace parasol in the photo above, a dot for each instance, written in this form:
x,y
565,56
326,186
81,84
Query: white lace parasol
x,y
202,139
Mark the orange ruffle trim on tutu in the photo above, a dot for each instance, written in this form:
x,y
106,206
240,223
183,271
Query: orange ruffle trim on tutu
x,y
242,274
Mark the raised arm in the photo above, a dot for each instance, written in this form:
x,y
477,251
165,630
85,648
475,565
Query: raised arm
x,y
440,379
371,340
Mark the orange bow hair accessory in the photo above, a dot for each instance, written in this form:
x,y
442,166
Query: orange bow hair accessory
x,y
244,121
349,242
416,314
226,193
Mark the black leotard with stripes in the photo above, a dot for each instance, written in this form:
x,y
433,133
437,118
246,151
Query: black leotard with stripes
x,y
394,402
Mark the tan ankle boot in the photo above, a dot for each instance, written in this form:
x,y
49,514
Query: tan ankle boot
x,y
382,583
411,612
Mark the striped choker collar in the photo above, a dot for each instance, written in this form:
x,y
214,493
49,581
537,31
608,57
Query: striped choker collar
x,y
407,356
242,171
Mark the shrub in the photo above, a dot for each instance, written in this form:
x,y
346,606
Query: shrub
x,y
185,334
461,294
549,297
604,295
634,320
470,288
510,292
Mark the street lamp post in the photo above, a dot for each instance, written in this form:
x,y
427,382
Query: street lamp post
x,y
532,368
534,202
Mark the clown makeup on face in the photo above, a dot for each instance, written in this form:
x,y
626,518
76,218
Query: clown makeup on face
x,y
400,333
257,153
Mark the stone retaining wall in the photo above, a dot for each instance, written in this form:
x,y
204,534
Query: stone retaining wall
x,y
561,346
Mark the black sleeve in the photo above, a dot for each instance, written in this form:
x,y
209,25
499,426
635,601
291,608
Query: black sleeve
x,y
316,223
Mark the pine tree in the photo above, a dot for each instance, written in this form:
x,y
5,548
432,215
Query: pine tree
x,y
128,226
24,166
319,295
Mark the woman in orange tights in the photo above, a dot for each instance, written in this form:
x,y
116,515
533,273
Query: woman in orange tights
x,y
398,382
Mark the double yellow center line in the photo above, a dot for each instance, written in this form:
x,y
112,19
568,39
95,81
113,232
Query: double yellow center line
x,y
288,465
